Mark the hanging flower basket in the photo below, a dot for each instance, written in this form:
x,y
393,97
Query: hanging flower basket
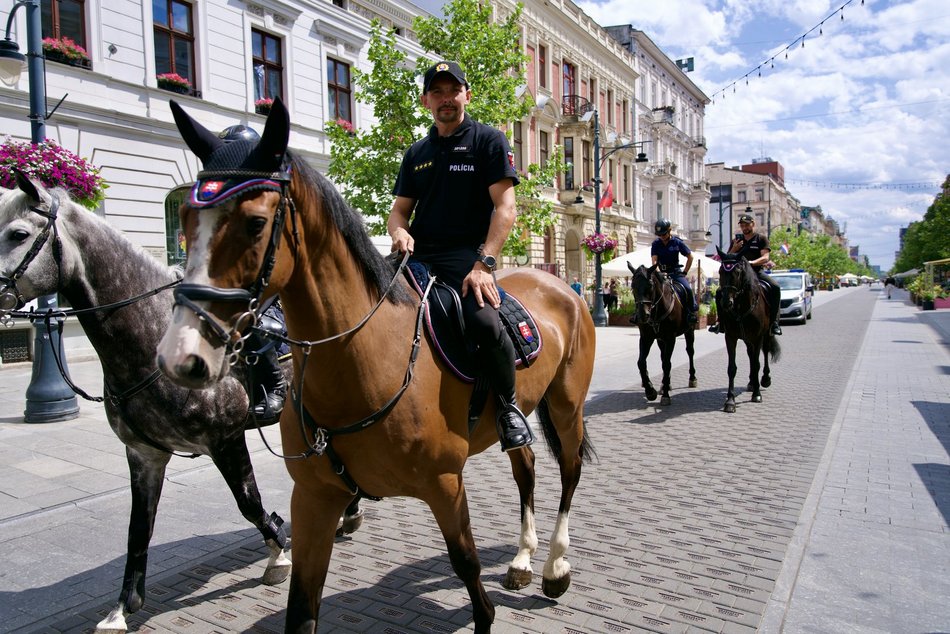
x,y
263,106
54,166
65,51
599,243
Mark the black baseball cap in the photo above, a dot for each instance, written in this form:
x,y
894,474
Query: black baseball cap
x,y
451,68
746,218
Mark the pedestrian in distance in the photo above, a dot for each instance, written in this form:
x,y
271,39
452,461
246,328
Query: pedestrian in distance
x,y
576,285
454,207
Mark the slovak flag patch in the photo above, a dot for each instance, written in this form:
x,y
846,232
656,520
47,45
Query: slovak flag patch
x,y
525,331
210,189
511,159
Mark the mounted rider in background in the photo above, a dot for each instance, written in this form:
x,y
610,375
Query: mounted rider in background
x,y
666,251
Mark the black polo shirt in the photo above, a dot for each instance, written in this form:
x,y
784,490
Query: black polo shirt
x,y
752,248
449,177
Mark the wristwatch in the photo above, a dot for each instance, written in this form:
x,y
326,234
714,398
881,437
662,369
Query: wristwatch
x,y
489,261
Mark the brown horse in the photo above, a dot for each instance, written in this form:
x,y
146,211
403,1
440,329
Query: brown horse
x,y
377,414
661,317
744,314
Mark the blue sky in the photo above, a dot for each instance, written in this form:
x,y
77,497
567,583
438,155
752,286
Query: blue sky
x,y
859,117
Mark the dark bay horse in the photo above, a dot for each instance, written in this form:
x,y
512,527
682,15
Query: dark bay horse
x,y
50,244
744,314
661,317
376,411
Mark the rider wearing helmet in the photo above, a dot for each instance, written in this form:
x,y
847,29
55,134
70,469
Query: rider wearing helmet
x,y
666,251
269,390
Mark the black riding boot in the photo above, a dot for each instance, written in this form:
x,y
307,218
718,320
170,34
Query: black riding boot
x,y
498,365
775,300
270,389
715,329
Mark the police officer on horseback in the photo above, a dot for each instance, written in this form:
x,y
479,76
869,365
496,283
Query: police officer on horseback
x,y
666,251
458,184
754,247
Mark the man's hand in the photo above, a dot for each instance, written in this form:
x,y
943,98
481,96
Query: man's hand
x,y
402,241
481,282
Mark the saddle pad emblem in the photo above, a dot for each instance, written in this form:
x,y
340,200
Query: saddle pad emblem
x,y
210,189
525,331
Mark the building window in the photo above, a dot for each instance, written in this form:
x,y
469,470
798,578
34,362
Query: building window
x,y
518,149
174,35
626,114
569,79
174,235
268,66
340,3
542,66
585,148
741,193
760,194
339,90
659,205
569,160
65,18
626,185
543,148
610,107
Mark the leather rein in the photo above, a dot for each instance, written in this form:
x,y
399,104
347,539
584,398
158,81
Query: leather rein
x,y
737,292
653,319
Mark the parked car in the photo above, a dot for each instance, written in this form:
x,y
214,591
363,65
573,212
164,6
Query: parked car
x,y
797,294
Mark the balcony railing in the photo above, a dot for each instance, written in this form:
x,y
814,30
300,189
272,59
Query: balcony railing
x,y
575,106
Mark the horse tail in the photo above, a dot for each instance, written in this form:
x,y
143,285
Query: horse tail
x,y
553,441
775,350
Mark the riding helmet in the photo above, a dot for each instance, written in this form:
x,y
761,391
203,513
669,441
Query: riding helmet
x,y
662,227
239,133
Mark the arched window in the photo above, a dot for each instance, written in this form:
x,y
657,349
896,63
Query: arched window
x,y
174,236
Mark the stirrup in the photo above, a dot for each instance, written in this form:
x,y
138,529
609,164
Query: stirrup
x,y
776,330
513,429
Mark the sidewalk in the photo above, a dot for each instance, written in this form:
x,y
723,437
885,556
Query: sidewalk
x,y
823,509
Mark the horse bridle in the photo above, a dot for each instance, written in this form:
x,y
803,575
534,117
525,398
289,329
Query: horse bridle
x,y
10,296
654,320
186,295
729,267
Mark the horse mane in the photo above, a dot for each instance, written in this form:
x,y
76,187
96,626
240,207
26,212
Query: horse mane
x,y
379,271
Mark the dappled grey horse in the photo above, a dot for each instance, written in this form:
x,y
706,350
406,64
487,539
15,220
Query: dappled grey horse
x,y
48,243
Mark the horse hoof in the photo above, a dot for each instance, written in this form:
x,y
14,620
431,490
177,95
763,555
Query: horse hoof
x,y
666,400
693,383
730,408
651,395
766,381
114,623
517,579
349,524
756,398
276,573
553,588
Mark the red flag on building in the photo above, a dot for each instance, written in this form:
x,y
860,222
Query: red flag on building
x,y
607,200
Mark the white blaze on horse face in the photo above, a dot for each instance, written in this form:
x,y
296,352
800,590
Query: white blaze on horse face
x,y
185,338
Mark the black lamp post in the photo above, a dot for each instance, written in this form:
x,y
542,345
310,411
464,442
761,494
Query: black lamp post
x,y
48,397
600,315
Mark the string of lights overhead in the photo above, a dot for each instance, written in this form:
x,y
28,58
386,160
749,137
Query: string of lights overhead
x,y
798,42
856,186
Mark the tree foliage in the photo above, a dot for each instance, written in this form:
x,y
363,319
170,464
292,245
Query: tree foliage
x,y
927,239
364,163
817,254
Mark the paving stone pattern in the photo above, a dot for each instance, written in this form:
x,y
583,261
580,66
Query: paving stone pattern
x,y
680,526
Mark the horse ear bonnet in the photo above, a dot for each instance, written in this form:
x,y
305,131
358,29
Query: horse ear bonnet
x,y
227,159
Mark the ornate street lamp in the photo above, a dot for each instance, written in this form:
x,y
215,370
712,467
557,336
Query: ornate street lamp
x,y
599,314
48,397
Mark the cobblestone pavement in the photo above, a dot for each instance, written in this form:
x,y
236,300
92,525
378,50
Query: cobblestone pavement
x,y
690,520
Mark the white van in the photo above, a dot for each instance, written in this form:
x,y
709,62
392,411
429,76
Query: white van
x,y
797,293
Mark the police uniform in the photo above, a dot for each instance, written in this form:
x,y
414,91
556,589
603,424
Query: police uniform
x,y
668,257
752,249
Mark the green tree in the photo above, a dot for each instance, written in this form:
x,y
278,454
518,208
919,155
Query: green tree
x,y
364,163
816,254
927,239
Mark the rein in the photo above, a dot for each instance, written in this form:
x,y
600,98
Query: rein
x,y
10,296
653,320
748,288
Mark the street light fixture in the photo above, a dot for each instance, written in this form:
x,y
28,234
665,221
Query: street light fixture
x,y
600,315
48,397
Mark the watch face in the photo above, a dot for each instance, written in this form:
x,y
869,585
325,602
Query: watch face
x,y
489,261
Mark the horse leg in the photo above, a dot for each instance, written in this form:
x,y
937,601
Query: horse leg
x,y
451,512
522,467
730,405
646,342
754,350
666,356
315,514
351,520
147,476
766,350
690,340
231,458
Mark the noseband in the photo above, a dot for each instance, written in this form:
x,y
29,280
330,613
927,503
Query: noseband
x,y
657,286
10,296
738,291
187,295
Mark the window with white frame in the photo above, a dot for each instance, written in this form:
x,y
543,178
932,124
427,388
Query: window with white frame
x,y
62,19
173,31
339,91
268,66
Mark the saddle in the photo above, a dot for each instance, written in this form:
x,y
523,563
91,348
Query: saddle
x,y
446,328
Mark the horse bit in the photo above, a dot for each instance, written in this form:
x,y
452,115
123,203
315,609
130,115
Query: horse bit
x,y
10,296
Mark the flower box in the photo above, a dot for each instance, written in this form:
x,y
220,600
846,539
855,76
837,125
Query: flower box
x,y
263,106
65,51
53,166
174,82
